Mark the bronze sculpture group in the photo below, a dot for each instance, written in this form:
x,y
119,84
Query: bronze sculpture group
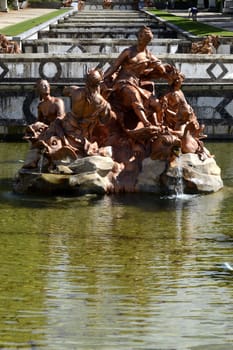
x,y
117,110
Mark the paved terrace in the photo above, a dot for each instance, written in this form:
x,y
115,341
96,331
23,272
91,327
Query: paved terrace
x,y
13,17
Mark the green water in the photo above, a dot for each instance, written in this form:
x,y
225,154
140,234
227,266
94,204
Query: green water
x,y
115,272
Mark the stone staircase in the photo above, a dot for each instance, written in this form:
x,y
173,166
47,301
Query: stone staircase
x,y
103,24
103,31
109,31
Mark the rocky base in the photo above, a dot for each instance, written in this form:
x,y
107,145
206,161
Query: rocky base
x,y
96,175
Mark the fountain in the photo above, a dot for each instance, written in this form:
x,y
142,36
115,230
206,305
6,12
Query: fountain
x,y
119,136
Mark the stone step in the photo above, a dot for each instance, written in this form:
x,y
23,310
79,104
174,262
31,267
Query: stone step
x,y
94,7
117,16
94,33
107,13
98,14
103,24
110,26
105,21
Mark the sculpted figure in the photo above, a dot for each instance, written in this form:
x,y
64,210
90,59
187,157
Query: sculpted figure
x,y
67,3
191,140
81,5
154,126
181,127
71,136
130,87
8,46
132,66
107,4
49,107
32,135
206,46
89,112
177,112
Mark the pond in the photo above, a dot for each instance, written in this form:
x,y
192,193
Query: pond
x,y
120,272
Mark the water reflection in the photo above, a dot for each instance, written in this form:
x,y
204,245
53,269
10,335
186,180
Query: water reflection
x,y
115,272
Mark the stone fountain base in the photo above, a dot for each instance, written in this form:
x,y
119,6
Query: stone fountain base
x,y
95,175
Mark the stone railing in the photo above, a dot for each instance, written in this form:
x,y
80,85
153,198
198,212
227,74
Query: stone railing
x,y
101,46
111,45
71,68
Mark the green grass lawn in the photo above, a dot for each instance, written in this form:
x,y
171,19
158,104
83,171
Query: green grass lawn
x,y
21,27
186,24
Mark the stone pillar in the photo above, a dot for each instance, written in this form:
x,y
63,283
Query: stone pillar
x,y
200,4
15,4
228,6
3,6
212,4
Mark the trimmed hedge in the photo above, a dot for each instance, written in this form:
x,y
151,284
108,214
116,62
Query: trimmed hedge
x,y
53,4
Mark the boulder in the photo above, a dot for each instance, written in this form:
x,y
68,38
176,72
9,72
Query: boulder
x,y
85,175
95,174
149,178
199,176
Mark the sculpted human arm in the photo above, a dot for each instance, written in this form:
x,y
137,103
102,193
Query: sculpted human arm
x,y
60,108
117,64
155,65
68,90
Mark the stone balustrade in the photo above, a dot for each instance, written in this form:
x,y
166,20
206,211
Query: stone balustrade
x,y
111,45
71,68
102,46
